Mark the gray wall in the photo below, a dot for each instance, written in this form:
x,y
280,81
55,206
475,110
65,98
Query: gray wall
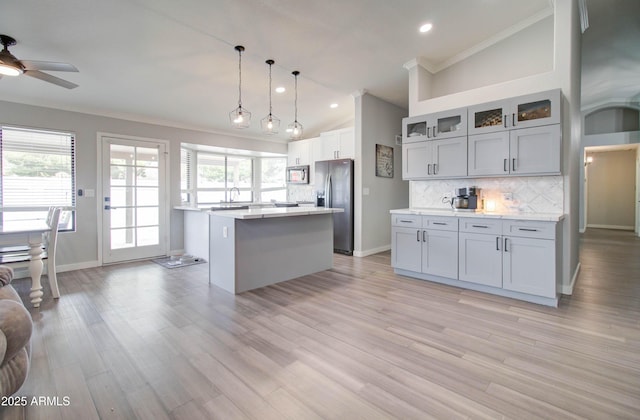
x,y
611,189
612,120
525,53
378,123
79,249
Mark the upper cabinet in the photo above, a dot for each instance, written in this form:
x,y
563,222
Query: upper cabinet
x,y
521,112
336,144
452,123
299,152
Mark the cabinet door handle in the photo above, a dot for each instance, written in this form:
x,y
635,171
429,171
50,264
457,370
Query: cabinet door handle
x,y
513,119
406,221
505,245
513,164
497,243
440,223
480,226
429,169
435,168
504,120
424,236
528,230
428,136
434,131
504,165
418,235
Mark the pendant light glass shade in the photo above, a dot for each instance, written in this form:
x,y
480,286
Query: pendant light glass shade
x,y
240,117
295,129
270,124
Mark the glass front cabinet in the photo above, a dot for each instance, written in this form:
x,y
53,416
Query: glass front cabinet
x,y
441,125
521,112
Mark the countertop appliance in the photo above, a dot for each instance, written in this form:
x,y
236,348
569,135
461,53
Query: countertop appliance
x,y
466,199
298,174
334,188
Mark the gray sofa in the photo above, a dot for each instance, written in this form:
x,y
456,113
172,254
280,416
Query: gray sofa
x,y
15,336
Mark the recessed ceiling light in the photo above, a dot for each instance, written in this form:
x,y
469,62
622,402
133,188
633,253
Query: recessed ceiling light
x,y
426,27
280,89
333,105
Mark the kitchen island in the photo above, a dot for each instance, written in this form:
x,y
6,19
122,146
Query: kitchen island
x,y
253,248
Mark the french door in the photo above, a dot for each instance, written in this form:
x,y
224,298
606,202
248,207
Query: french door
x,y
133,201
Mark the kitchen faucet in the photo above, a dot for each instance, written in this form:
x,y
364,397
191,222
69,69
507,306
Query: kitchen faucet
x,y
231,193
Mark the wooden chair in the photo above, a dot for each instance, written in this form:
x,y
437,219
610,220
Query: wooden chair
x,y
21,258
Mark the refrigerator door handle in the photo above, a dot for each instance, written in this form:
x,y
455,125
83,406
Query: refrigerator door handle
x,y
329,202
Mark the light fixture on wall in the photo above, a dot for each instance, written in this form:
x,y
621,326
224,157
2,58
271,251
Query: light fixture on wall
x,y
270,124
295,128
240,117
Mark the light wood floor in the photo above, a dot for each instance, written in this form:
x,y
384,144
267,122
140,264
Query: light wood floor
x,y
140,341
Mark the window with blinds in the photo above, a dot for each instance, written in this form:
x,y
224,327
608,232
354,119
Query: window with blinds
x,y
38,171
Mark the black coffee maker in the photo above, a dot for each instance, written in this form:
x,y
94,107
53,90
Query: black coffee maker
x,y
466,198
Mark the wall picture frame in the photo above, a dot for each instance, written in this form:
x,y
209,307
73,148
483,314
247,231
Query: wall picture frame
x,y
384,161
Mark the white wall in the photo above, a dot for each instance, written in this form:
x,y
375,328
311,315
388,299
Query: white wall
x,y
377,122
565,75
79,249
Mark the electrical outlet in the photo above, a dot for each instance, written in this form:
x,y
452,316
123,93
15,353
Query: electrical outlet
x,y
225,231
507,196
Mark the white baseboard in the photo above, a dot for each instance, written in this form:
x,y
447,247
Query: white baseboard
x,y
568,289
371,251
615,227
77,266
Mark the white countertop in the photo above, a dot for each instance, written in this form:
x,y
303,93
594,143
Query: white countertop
x,y
546,217
264,213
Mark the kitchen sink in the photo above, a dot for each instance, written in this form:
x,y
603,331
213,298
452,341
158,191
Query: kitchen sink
x,y
229,206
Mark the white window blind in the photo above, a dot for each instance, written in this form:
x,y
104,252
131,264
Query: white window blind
x,y
38,169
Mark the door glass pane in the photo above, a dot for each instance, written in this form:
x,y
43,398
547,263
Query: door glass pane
x,y
147,157
489,118
147,216
148,236
147,196
147,177
122,155
122,175
534,110
122,217
122,196
449,124
417,129
123,238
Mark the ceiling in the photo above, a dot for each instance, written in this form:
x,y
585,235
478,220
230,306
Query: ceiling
x,y
174,63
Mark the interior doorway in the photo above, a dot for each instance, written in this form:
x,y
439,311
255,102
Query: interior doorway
x,y
612,187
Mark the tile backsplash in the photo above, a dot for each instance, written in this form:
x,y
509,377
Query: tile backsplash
x,y
540,194
301,193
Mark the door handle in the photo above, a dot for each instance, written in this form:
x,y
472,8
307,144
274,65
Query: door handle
x,y
504,120
108,207
418,235
424,236
504,165
435,169
429,169
497,243
434,131
513,119
513,165
505,245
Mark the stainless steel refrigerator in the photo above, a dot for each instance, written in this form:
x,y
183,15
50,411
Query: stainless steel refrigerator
x,y
334,188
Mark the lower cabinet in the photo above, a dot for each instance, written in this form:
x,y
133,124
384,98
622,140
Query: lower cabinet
x,y
505,255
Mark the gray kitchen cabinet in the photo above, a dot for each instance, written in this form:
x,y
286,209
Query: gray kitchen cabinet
x,y
525,111
444,158
527,151
440,125
480,256
429,247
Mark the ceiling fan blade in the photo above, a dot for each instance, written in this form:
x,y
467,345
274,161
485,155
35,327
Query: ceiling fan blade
x,y
49,78
47,65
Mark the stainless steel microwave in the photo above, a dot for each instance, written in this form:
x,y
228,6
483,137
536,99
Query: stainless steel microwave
x,y
298,174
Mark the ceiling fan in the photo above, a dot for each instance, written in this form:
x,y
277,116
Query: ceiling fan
x,y
11,66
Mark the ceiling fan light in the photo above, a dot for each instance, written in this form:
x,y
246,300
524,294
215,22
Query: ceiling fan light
x,y
9,70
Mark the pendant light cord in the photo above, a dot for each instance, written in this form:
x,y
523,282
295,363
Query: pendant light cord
x,y
239,77
295,103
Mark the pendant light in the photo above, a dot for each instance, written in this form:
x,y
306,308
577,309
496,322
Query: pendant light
x,y
295,128
270,124
240,117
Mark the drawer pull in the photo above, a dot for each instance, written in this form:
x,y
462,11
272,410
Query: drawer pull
x,y
480,226
440,223
528,230
406,221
